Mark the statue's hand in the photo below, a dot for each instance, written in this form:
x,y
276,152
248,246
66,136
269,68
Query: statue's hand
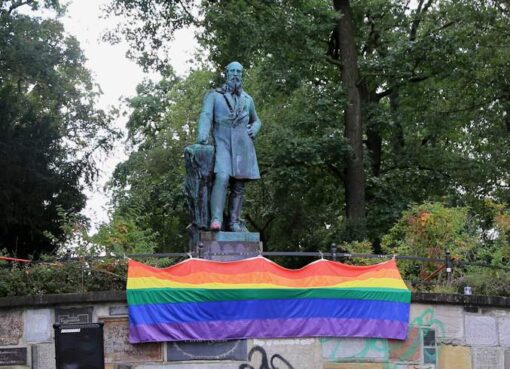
x,y
251,131
202,139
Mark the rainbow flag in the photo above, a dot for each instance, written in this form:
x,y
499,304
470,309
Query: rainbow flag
x,y
256,298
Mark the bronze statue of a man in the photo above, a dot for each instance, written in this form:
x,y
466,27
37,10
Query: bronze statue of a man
x,y
229,114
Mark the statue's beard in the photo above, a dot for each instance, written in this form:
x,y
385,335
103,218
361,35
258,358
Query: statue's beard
x,y
234,86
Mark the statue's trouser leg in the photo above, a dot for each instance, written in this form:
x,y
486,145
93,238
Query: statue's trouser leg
x,y
218,195
235,204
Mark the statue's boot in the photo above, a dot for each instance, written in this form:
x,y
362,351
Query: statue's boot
x,y
218,195
235,205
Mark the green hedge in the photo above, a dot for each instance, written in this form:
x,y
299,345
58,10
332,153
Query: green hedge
x,y
73,276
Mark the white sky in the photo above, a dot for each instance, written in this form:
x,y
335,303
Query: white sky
x,y
117,77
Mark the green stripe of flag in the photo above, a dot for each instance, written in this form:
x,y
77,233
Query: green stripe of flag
x,y
173,295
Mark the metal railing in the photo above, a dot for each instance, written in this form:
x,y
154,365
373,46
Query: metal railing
x,y
447,261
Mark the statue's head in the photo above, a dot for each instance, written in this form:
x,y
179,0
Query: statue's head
x,y
234,75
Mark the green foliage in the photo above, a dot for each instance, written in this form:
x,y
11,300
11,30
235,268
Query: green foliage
x,y
81,275
50,128
11,6
357,247
435,101
122,236
53,276
429,230
148,187
485,281
147,35
495,253
501,241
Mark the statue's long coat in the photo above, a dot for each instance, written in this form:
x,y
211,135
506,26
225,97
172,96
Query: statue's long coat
x,y
229,119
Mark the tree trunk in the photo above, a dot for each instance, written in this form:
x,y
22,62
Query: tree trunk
x,y
374,138
398,132
354,173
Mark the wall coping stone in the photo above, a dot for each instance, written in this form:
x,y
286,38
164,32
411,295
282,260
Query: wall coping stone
x,y
63,299
452,299
120,297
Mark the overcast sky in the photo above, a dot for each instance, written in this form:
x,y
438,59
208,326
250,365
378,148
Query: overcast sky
x,y
117,77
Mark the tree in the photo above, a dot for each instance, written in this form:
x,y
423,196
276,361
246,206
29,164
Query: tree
x,y
50,128
432,101
429,230
354,172
148,187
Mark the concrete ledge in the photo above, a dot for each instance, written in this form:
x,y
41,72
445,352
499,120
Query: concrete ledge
x,y
120,296
63,299
470,300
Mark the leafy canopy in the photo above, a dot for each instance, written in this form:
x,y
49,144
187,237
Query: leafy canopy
x,y
435,107
50,128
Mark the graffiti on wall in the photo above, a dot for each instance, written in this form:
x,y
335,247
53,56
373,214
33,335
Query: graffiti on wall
x,y
419,347
266,363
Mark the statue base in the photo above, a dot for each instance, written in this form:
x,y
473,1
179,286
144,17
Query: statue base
x,y
228,246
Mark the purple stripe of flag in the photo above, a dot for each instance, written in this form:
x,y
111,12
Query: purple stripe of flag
x,y
268,328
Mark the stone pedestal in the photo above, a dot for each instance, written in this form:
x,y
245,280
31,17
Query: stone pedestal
x,y
228,246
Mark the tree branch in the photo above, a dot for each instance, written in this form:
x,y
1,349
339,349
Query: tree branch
x,y
386,92
253,223
420,11
419,167
263,9
336,172
17,4
186,10
390,90
372,37
334,61
444,26
260,229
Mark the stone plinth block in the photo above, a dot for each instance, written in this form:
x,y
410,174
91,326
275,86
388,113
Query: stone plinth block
x,y
43,356
228,246
481,330
11,327
488,358
117,348
286,353
230,236
38,325
458,357
354,349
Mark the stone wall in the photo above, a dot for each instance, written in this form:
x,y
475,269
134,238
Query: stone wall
x,y
446,332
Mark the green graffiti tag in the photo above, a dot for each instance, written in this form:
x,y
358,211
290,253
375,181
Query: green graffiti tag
x,y
389,352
